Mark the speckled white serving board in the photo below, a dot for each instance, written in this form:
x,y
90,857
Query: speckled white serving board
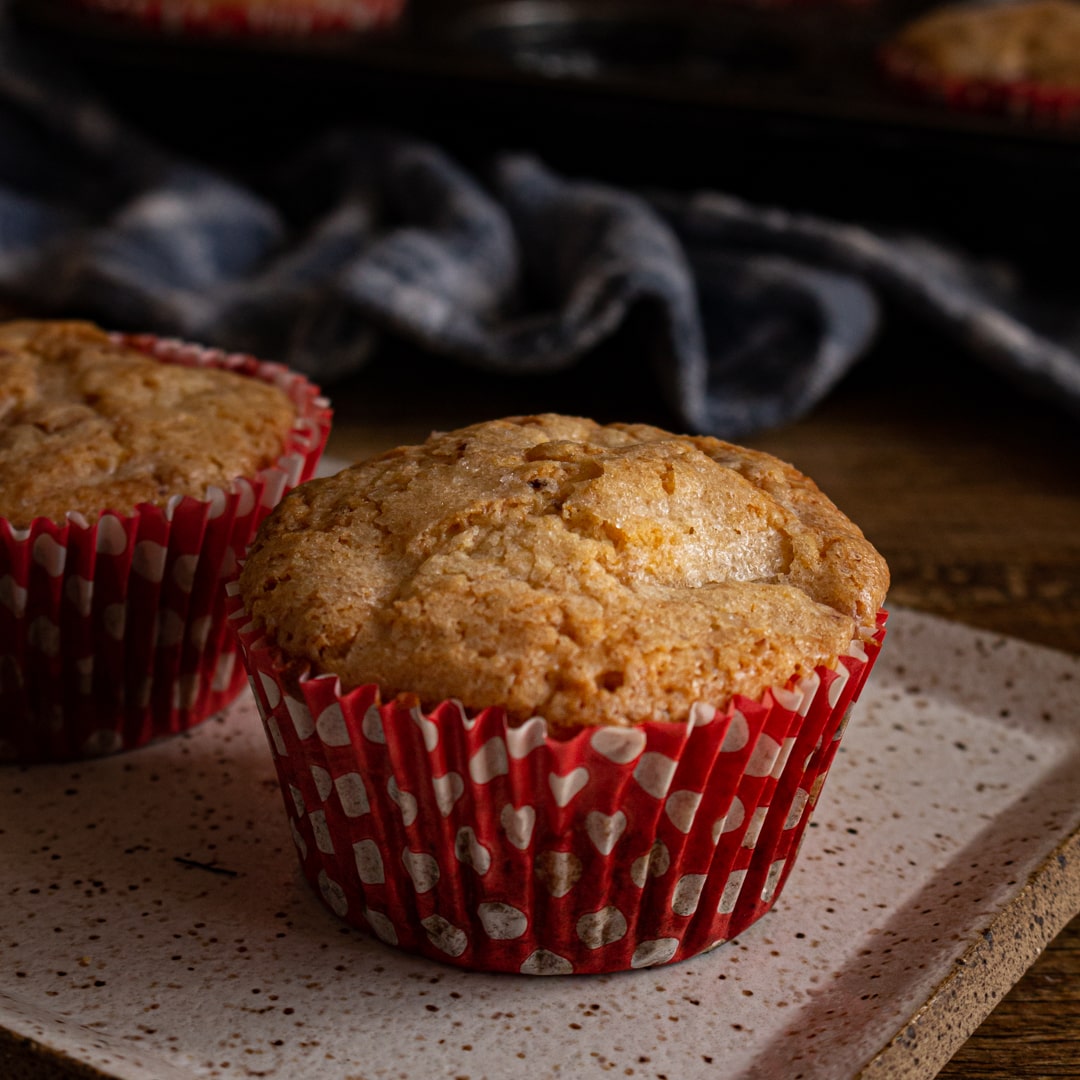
x,y
954,806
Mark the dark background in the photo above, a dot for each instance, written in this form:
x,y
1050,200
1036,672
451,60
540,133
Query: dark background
x,y
781,104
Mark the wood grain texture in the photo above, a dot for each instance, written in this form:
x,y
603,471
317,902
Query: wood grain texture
x,y
1035,1030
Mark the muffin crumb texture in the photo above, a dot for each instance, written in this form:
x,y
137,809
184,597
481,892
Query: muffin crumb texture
x,y
88,424
588,574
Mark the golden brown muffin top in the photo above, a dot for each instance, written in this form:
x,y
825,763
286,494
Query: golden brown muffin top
x,y
587,574
89,425
1027,41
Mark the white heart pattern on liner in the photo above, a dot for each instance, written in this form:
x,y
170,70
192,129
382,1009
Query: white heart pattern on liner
x,y
50,555
684,900
428,728
303,721
654,863
275,734
381,926
369,864
223,670
730,895
735,816
772,879
659,951
599,928
323,841
149,560
763,756
604,830
199,634
738,734
80,593
654,772
331,726
323,783
406,801
471,852
183,572
333,894
502,922
618,745
798,804
12,596
44,634
680,807
353,794
111,538
564,788
781,758
445,936
372,726
422,868
489,761
448,789
522,741
518,825
543,962
271,689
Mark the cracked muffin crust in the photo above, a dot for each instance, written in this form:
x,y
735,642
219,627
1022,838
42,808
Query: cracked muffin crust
x,y
588,574
88,424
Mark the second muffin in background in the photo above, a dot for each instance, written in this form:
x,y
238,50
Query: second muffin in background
x,y
1020,57
133,473
689,618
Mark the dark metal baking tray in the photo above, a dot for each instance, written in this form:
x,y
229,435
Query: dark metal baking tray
x,y
780,104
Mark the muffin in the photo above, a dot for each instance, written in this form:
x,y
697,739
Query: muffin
x,y
133,472
549,696
1021,57
258,17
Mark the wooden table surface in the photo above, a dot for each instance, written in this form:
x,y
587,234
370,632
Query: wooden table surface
x,y
970,489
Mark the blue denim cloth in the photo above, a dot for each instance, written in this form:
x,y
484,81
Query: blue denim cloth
x,y
755,313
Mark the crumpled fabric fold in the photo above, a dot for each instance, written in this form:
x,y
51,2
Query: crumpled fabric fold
x,y
752,313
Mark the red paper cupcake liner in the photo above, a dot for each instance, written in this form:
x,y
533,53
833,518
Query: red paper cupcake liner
x,y
113,633
497,848
1029,101
273,17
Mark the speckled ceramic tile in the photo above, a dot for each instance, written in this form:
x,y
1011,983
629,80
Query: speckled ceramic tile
x,y
154,924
